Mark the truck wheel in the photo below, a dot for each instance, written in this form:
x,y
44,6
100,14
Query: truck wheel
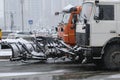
x,y
112,57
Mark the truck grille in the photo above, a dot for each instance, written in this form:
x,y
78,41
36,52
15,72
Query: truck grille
x,y
80,39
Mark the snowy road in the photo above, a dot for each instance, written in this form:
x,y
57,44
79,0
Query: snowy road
x,y
59,70
54,71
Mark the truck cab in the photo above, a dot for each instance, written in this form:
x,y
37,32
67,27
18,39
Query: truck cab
x,y
98,32
66,28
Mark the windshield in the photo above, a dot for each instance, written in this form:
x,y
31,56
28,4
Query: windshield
x,y
65,18
86,11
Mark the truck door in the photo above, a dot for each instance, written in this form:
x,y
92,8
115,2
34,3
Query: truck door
x,y
104,26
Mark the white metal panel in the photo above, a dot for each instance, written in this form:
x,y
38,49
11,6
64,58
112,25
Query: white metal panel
x,y
118,18
101,32
104,27
100,39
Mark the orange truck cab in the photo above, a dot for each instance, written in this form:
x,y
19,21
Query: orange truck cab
x,y
66,28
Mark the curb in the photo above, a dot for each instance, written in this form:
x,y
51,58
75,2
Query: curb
x,y
5,53
4,57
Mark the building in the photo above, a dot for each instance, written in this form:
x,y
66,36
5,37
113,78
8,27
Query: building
x,y
1,14
29,15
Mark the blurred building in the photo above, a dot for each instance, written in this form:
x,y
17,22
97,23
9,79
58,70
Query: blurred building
x,y
27,15
1,14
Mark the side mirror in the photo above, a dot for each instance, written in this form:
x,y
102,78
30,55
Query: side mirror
x,y
62,29
99,14
56,29
57,13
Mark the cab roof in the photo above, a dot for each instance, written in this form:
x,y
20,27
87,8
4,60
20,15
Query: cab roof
x,y
106,1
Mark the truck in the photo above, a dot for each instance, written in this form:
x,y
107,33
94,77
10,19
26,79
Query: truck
x,y
97,36
66,28
98,32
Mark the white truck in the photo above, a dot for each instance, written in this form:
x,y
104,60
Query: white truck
x,y
98,32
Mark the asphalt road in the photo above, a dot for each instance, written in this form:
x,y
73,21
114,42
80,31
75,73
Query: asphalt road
x,y
54,71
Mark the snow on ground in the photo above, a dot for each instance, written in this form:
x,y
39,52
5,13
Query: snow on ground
x,y
5,52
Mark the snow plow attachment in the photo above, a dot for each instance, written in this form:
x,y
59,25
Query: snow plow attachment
x,y
41,48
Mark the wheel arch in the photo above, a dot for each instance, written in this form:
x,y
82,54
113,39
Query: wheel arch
x,y
112,41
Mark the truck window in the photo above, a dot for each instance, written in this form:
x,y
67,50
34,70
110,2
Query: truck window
x,y
66,18
107,11
74,20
